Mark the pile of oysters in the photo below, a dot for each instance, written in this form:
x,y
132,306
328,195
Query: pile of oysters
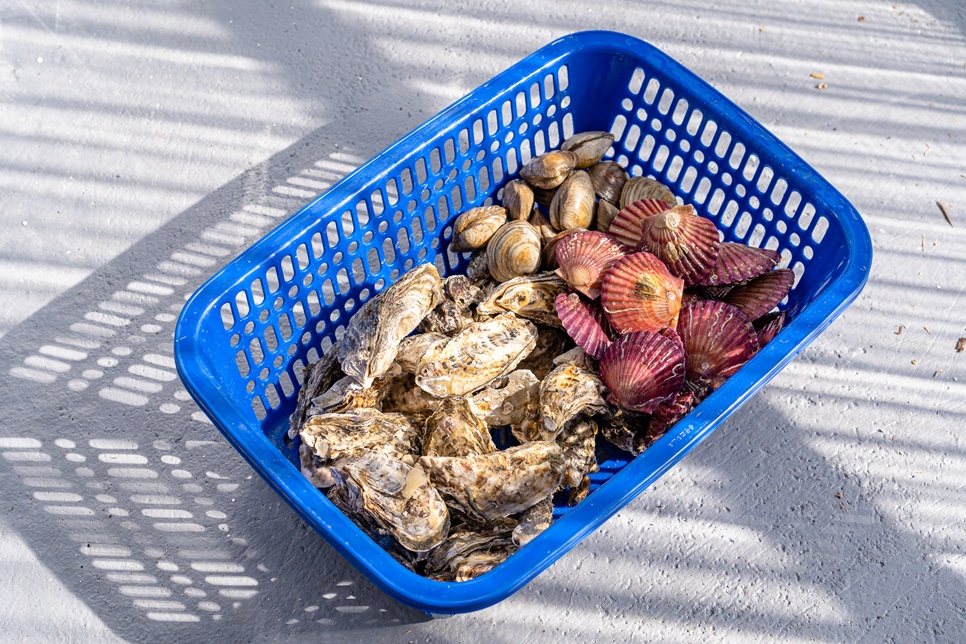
x,y
594,305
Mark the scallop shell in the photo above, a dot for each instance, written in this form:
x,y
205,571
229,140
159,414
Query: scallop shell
x,y
637,188
530,296
585,257
588,146
518,200
548,255
718,340
686,243
626,225
456,430
585,322
514,250
739,262
642,369
573,205
549,170
566,392
604,216
762,294
768,326
667,415
639,294
608,179
372,337
473,228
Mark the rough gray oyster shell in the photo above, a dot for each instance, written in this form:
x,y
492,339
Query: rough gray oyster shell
x,y
467,554
567,391
529,296
319,376
578,440
456,430
551,342
413,348
532,521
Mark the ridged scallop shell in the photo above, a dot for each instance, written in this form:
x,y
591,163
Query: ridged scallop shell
x,y
762,294
739,262
514,250
768,326
584,257
608,178
518,200
473,228
718,340
588,146
548,261
642,370
573,205
686,243
549,170
667,414
584,322
639,294
626,225
637,188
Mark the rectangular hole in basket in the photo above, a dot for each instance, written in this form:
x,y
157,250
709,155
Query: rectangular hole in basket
x,y
421,172
377,203
492,122
358,271
348,225
241,361
771,243
259,408
535,95
723,144
737,154
464,141
617,128
548,87
317,247
298,314
328,293
646,150
680,111
255,351
288,269
406,181
526,153
332,234
511,161
342,278
484,180
540,143
435,163
392,192
553,134
498,172
714,207
667,98
417,230
257,291
778,192
752,165
285,382
521,104
651,91
271,339
707,136
757,234
818,232
449,151
632,139
469,187
227,317
241,304
805,219
660,159
687,182
506,113
429,216
744,222
765,179
792,203
374,264
636,82
298,368
389,251
674,170
478,131
694,122
271,395
271,280
568,127
302,257
402,241
701,194
563,76
456,198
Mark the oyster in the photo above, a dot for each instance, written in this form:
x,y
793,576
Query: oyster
x,y
413,348
473,228
477,272
347,394
533,521
518,200
319,376
456,430
397,498
549,170
492,486
515,403
481,353
551,342
626,430
404,397
369,345
447,318
588,146
573,205
461,291
467,554
513,251
567,391
529,296
578,440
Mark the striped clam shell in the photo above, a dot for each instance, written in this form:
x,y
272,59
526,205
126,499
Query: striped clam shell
x,y
584,322
584,257
639,294
762,294
637,188
626,225
686,243
642,370
739,262
718,339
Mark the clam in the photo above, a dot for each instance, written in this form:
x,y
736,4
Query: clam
x,y
548,256
473,228
642,369
488,487
372,337
686,243
608,179
573,204
762,294
518,200
768,326
626,225
513,251
566,392
542,224
585,257
481,353
605,214
639,294
549,170
533,521
718,339
529,296
637,188
738,262
456,430
544,196
585,322
588,146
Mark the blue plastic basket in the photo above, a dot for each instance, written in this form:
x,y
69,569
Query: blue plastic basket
x,y
245,337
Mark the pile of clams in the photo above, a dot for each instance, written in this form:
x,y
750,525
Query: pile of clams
x,y
595,305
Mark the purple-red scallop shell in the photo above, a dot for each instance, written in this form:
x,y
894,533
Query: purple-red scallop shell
x,y
762,294
584,322
639,294
718,340
768,326
739,262
687,243
626,226
584,257
642,370
667,414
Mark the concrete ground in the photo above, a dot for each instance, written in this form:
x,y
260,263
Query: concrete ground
x,y
830,508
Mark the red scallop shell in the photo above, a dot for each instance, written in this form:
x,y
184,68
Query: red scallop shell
x,y
639,294
642,370
768,326
762,294
667,414
584,257
739,262
626,226
718,340
584,322
687,243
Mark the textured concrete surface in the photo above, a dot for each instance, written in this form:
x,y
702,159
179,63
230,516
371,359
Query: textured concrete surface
x,y
830,508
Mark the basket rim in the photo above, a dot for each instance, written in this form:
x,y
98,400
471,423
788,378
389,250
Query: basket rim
x,y
198,374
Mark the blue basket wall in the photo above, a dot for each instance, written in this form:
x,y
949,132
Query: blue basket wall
x,y
245,337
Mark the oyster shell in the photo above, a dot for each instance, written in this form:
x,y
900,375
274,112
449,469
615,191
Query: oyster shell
x,y
473,228
626,430
549,170
533,521
551,342
318,377
369,345
588,146
608,178
516,403
404,397
346,394
567,391
637,188
413,348
481,353
518,200
529,296
456,430
513,251
573,204
477,272
467,554
446,319
492,486
578,440
461,291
